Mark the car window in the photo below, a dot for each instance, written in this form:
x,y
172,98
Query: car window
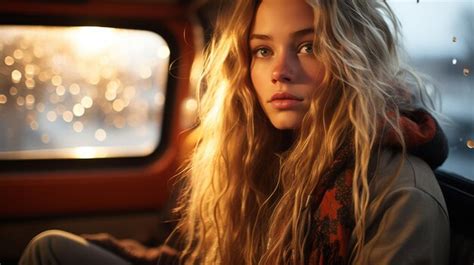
x,y
80,92
439,40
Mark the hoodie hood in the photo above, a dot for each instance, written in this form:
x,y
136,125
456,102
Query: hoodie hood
x,y
423,136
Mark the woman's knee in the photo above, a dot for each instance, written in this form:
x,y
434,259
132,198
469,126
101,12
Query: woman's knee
x,y
44,247
51,238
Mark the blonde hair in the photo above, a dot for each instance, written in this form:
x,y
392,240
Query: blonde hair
x,y
247,182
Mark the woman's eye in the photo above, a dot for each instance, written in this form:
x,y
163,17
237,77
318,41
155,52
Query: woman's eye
x,y
306,48
262,52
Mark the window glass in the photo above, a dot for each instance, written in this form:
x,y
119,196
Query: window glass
x,y
439,38
80,92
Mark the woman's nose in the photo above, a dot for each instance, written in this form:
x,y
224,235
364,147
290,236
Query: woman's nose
x,y
283,70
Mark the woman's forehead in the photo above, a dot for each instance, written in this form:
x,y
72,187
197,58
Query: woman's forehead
x,y
282,15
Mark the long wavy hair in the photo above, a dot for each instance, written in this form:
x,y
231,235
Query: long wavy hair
x,y
247,182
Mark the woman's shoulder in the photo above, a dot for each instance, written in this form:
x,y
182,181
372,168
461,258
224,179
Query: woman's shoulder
x,y
406,211
398,173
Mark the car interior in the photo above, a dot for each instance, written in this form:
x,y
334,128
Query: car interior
x,y
97,110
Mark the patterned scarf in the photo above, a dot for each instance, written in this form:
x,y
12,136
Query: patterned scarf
x,y
332,204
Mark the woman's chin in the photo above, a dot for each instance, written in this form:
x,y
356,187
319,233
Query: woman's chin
x,y
286,124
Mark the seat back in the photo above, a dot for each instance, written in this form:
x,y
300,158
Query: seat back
x,y
459,195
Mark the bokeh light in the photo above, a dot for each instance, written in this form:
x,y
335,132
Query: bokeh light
x,y
86,80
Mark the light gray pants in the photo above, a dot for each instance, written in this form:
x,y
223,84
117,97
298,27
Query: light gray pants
x,y
55,247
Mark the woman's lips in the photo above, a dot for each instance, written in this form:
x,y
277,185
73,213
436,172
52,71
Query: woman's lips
x,y
283,100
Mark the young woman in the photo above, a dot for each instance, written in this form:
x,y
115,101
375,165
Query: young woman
x,y
313,145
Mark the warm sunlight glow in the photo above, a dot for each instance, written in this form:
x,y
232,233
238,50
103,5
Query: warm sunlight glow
x,y
91,40
85,152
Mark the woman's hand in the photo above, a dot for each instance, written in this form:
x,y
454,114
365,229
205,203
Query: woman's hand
x,y
131,250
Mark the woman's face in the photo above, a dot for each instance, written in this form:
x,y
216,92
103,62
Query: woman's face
x,y
284,70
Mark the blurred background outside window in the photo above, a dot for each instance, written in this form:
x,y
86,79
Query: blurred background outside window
x,y
80,92
439,39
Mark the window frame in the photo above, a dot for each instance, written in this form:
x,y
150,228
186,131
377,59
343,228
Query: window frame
x,y
78,163
58,187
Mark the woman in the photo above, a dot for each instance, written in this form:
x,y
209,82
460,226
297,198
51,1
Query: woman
x,y
313,147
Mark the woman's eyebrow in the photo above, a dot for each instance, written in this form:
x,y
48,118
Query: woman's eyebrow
x,y
260,37
297,34
303,32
